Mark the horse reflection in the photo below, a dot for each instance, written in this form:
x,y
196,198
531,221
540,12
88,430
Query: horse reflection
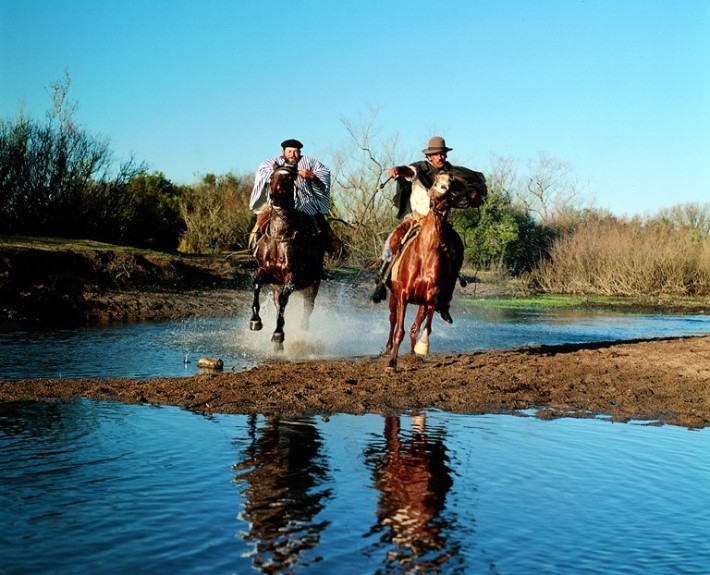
x,y
281,472
413,480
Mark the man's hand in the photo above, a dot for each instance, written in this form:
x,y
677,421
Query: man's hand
x,y
306,174
403,171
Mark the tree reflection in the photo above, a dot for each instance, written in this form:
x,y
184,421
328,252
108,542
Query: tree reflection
x,y
413,479
282,471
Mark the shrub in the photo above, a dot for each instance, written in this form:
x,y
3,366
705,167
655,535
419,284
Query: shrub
x,y
612,257
216,214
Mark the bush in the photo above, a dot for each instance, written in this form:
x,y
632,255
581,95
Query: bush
x,y
612,257
51,173
216,214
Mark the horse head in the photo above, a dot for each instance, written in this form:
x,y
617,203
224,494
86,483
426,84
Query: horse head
x,y
283,180
440,192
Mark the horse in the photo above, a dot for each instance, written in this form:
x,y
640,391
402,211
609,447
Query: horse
x,y
425,271
289,256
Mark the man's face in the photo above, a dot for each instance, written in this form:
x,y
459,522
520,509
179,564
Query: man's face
x,y
291,155
437,160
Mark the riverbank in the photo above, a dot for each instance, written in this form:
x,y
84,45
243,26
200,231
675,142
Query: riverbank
x,y
41,284
663,381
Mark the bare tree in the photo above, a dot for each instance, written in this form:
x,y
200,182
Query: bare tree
x,y
550,190
359,192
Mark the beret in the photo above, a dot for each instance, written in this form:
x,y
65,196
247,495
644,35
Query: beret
x,y
291,144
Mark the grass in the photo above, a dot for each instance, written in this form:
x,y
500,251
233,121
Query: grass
x,y
59,244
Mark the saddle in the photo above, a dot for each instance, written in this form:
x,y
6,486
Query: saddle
x,y
405,243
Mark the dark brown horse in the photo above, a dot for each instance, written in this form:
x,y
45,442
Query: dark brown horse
x,y
425,271
289,255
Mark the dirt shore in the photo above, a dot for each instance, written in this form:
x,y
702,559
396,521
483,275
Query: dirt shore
x,y
663,381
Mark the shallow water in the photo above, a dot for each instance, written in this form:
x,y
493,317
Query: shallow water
x,y
99,487
342,326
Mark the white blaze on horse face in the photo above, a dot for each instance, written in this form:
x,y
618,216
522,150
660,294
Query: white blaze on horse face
x,y
442,183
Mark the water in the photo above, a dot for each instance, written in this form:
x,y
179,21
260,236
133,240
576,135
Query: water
x,y
342,326
98,487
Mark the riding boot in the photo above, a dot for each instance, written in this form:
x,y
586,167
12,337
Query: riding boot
x,y
380,292
445,315
332,244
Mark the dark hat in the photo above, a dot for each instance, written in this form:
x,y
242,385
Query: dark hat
x,y
436,144
291,144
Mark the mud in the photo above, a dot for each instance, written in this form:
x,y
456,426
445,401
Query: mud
x,y
662,381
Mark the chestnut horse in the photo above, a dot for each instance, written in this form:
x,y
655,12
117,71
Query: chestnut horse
x,y
425,272
289,256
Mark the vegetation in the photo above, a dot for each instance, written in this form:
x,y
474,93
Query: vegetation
x,y
612,257
216,214
58,180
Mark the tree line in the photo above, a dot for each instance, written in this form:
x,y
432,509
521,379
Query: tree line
x,y
57,179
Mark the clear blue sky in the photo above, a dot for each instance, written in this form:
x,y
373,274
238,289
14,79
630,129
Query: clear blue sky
x,y
620,89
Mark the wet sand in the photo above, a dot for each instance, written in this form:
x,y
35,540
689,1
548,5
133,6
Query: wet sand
x,y
661,381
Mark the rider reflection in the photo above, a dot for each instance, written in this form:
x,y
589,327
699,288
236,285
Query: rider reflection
x,y
281,471
413,479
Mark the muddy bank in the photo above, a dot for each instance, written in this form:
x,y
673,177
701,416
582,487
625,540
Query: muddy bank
x,y
661,381
44,286
664,380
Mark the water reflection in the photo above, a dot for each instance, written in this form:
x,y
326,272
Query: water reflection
x,y
411,473
283,471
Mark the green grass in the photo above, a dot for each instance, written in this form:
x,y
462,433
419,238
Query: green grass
x,y
541,301
55,244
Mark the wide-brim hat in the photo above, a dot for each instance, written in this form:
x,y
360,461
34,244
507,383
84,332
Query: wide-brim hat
x,y
291,144
436,145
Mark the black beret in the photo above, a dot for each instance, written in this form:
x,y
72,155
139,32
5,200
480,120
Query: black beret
x,y
291,144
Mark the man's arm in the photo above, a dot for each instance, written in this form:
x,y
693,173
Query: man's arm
x,y
313,187
261,180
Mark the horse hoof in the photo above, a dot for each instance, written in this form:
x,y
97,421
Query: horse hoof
x,y
255,325
421,348
391,368
277,338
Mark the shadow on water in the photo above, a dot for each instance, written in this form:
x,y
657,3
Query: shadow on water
x,y
411,474
344,324
281,473
106,487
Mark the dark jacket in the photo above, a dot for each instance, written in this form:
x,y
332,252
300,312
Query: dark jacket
x,y
475,189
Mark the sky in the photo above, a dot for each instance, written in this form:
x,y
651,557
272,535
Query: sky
x,y
617,89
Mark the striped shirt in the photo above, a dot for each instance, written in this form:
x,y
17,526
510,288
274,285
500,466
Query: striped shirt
x,y
312,196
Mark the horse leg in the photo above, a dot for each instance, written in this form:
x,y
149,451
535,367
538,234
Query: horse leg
x,y
393,323
401,308
281,301
309,299
422,347
419,348
255,322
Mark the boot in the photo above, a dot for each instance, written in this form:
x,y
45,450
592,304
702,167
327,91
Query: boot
x,y
445,315
380,292
332,244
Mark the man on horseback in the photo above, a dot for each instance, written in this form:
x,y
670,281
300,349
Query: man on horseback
x,y
412,202
312,193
